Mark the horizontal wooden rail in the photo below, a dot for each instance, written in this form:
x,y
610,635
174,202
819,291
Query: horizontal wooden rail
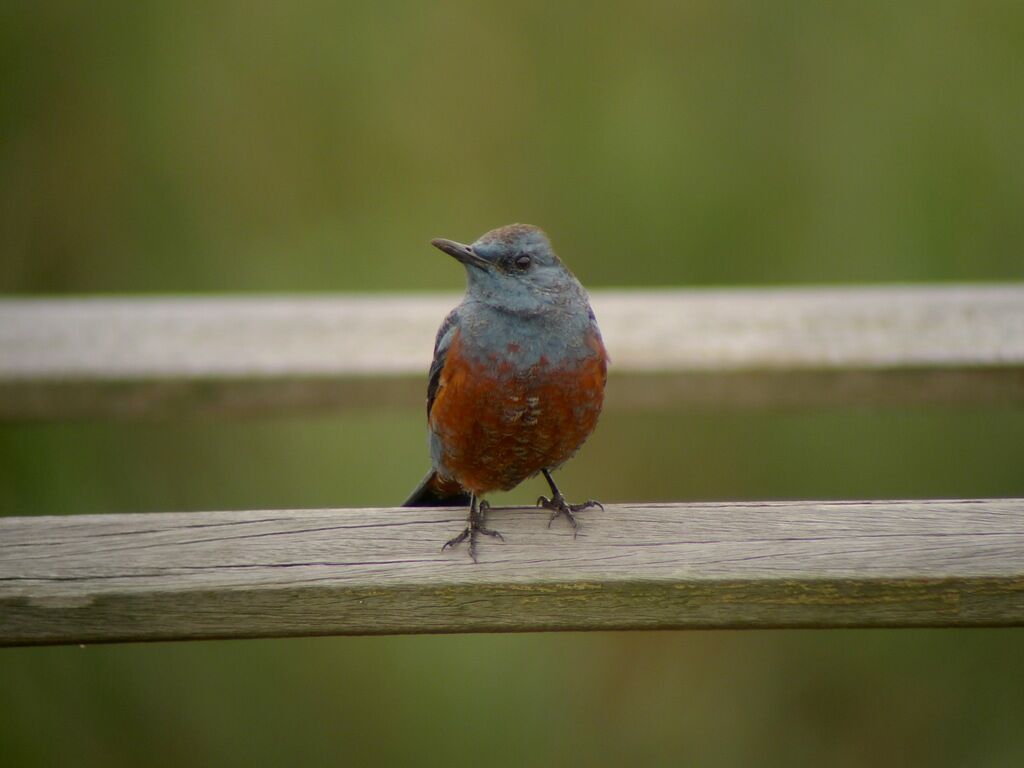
x,y
64,358
171,576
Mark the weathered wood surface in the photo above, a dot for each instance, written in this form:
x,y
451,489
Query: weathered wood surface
x,y
85,579
66,358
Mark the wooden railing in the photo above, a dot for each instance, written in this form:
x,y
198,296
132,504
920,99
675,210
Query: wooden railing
x,y
168,356
169,576
93,578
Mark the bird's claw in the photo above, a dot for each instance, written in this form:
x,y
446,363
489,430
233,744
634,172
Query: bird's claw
x,y
471,531
559,506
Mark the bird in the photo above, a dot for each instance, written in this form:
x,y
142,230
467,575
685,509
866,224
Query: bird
x,y
517,380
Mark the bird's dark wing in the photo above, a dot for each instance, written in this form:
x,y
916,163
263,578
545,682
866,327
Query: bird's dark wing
x,y
436,491
445,334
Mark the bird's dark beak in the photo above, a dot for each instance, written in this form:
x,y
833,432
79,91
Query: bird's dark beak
x,y
463,253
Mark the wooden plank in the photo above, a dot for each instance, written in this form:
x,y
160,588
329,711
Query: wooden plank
x,y
105,578
65,358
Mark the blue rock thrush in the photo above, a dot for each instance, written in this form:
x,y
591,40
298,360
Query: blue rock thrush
x,y
517,381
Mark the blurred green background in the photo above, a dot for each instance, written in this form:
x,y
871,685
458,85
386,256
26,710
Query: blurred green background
x,y
249,146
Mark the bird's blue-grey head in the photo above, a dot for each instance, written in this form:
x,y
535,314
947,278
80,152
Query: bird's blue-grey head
x,y
514,269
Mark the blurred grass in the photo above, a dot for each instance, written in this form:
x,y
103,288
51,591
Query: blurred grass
x,y
336,460
850,698
155,147
241,146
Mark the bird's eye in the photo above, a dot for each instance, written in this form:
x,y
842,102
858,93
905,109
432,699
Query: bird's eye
x,y
523,262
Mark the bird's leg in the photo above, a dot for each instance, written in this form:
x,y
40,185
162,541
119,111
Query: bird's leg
x,y
477,512
559,506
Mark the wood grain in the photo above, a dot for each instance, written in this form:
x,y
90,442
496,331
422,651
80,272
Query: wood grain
x,y
171,576
67,358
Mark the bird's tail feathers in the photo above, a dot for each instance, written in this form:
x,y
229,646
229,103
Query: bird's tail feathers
x,y
436,491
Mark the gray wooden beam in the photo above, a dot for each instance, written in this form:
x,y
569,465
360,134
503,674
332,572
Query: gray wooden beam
x,y
67,358
172,576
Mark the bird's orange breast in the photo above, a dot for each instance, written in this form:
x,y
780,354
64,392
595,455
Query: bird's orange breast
x,y
498,424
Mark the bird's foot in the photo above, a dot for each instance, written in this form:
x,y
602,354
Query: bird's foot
x,y
559,506
475,528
